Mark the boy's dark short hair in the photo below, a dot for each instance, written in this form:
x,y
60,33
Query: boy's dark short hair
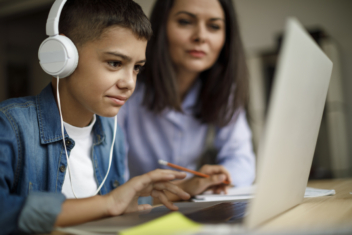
x,y
85,20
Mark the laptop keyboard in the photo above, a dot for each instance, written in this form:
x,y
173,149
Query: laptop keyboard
x,y
226,212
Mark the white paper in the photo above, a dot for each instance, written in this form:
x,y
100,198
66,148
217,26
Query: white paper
x,y
249,192
315,192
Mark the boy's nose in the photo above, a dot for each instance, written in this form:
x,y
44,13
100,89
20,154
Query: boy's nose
x,y
127,82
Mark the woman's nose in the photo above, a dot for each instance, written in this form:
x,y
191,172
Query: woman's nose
x,y
200,34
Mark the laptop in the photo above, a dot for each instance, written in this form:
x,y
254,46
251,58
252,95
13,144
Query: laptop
x,y
295,111
286,151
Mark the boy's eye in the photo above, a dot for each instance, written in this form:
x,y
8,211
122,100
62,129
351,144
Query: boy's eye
x,y
138,68
183,22
115,64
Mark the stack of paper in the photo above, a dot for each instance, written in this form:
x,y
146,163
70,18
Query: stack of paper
x,y
314,192
248,193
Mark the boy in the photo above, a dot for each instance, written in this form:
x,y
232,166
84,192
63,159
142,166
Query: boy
x,y
111,38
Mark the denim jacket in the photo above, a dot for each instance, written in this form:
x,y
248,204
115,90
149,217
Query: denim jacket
x,y
33,162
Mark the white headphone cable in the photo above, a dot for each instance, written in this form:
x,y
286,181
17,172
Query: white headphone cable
x,y
110,158
62,132
63,139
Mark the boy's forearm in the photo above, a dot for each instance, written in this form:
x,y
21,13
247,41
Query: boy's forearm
x,y
77,211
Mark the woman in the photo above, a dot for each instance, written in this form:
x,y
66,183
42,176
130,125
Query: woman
x,y
195,78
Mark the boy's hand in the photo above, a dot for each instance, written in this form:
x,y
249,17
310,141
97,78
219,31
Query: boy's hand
x,y
125,198
197,185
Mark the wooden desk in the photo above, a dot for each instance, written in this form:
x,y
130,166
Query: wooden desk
x,y
318,213
329,212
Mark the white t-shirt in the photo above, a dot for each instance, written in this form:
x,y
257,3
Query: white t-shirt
x,y
80,159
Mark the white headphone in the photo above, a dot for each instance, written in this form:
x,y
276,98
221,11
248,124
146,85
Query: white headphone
x,y
58,57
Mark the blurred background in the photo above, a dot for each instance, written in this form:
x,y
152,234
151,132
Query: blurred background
x,y
22,29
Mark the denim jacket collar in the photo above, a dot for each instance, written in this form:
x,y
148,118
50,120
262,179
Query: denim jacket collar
x,y
49,119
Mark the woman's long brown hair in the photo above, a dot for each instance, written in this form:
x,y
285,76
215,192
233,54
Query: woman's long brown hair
x,y
224,88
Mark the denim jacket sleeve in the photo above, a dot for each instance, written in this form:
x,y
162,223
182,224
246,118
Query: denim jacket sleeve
x,y
34,213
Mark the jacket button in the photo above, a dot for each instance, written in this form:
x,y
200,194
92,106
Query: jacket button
x,y
62,168
116,184
68,142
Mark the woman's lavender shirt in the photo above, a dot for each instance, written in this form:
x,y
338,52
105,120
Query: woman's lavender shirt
x,y
179,138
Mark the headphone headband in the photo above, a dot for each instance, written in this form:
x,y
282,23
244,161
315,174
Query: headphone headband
x,y
52,24
58,55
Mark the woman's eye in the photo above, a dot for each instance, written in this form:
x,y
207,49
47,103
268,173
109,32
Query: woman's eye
x,y
138,68
114,64
184,22
214,27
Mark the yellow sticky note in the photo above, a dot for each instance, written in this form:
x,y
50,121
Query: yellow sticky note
x,y
169,224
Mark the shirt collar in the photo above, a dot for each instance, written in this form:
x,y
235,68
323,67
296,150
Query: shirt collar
x,y
80,132
49,119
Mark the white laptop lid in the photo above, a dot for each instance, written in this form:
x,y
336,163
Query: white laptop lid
x,y
286,151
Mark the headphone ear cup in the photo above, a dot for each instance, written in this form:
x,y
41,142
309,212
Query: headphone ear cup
x,y
58,56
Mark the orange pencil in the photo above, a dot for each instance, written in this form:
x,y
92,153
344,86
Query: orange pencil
x,y
165,163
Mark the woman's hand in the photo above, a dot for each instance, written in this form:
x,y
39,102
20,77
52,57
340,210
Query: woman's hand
x,y
155,183
197,185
